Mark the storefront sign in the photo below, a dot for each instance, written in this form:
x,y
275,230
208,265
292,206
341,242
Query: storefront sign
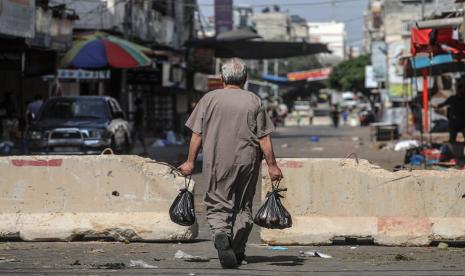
x,y
214,82
378,59
312,75
78,74
17,18
370,81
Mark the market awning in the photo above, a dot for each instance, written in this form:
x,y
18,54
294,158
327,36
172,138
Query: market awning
x,y
273,78
435,41
257,49
101,51
436,65
243,44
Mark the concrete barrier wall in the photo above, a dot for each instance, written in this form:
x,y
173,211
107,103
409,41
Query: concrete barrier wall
x,y
331,198
65,198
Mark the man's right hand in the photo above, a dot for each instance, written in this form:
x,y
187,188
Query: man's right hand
x,y
187,168
275,173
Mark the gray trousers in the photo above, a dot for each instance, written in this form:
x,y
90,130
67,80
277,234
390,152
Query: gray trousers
x,y
229,203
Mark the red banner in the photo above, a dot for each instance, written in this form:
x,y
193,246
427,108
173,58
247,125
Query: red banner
x,y
312,75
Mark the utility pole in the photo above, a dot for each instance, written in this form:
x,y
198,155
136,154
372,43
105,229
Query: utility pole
x,y
333,10
126,97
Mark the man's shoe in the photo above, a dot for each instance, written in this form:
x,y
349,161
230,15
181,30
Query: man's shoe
x,y
240,257
225,252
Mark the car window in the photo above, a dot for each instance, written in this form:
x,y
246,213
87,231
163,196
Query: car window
x,y
84,109
115,109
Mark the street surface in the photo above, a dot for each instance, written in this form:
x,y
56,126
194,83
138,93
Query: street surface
x,y
103,258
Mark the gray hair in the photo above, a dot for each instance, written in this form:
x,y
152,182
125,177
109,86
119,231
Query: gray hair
x,y
234,72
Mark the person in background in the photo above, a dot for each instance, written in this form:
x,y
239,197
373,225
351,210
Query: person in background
x,y
335,116
455,112
138,126
233,129
345,116
7,112
311,114
33,108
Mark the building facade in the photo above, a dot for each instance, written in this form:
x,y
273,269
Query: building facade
x,y
32,35
387,31
334,35
162,25
274,25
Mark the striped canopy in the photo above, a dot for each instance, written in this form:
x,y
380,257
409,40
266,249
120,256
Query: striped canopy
x,y
101,50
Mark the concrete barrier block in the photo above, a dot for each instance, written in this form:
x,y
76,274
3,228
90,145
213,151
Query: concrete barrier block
x,y
65,198
333,198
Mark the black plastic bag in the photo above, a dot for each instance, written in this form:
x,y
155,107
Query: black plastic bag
x,y
272,214
182,210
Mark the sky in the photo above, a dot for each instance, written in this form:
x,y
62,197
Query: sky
x,y
348,11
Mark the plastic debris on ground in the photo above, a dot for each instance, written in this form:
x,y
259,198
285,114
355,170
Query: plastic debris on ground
x,y
111,266
314,254
141,264
180,255
284,146
443,246
279,248
96,251
416,160
7,260
76,262
402,257
159,143
406,145
314,139
318,149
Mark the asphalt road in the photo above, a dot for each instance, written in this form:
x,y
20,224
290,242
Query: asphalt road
x,y
104,258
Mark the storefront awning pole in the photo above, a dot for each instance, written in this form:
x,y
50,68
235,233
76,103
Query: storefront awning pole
x,y
425,101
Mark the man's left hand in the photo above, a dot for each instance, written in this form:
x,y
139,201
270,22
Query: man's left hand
x,y
187,168
275,173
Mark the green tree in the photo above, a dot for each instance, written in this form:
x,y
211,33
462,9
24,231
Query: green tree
x,y
349,75
303,63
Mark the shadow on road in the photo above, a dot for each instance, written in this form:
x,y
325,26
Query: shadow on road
x,y
276,260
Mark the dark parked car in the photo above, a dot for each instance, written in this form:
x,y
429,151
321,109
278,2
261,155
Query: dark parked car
x,y
79,125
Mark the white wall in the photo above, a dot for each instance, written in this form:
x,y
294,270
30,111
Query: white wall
x,y
331,33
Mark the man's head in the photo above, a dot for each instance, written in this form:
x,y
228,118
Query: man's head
x,y
38,97
234,72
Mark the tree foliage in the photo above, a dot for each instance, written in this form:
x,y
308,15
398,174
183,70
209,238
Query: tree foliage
x,y
349,75
302,63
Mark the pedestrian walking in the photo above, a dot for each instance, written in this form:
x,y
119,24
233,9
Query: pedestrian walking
x,y
345,116
138,127
335,116
311,114
32,110
456,112
233,128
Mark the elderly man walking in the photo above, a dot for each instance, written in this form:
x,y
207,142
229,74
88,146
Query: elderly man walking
x,y
233,129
